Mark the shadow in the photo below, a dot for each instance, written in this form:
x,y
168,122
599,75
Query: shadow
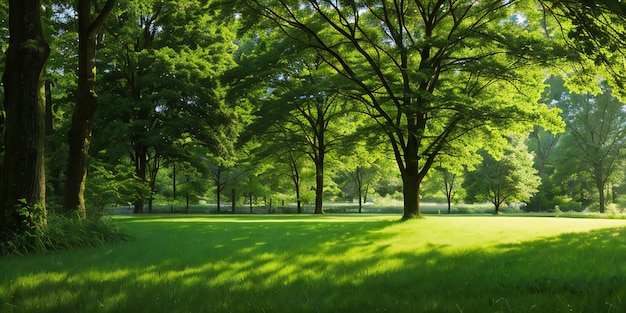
x,y
318,264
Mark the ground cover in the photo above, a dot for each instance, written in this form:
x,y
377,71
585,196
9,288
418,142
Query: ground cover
x,y
331,263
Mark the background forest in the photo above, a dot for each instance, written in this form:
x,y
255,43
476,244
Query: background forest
x,y
266,104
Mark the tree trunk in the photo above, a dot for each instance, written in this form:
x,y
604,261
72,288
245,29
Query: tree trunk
x,y
320,129
600,186
358,181
410,178
360,200
23,174
48,114
448,180
232,199
79,134
174,181
410,190
218,187
295,177
219,204
449,186
141,160
319,185
298,202
497,201
154,170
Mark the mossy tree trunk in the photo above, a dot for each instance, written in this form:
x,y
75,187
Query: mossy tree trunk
x,y
79,134
22,183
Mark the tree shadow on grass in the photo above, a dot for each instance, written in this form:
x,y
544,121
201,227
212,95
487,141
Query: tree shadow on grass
x,y
317,265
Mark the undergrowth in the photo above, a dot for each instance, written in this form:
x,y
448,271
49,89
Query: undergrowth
x,y
61,232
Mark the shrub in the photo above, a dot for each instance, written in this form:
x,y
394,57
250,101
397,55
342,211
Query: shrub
x,y
63,232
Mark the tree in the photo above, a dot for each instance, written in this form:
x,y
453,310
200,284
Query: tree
x,y
79,135
594,141
361,160
22,182
313,108
449,182
361,168
298,95
220,177
545,146
163,85
455,159
110,185
429,72
508,178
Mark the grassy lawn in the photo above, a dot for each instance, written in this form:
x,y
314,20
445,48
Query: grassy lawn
x,y
331,263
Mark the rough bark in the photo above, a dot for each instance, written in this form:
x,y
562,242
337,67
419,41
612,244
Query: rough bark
x,y
410,174
23,176
79,134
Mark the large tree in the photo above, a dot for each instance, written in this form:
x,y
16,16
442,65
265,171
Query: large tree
x,y
429,72
79,135
22,183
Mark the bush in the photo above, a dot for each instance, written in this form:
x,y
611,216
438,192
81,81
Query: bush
x,y
462,210
613,210
63,232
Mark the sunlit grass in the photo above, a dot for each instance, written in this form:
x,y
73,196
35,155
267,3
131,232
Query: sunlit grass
x,y
332,263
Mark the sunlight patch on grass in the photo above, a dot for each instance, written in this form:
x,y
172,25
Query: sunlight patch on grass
x,y
41,279
101,276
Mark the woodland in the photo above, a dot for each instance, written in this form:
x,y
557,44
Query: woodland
x,y
265,102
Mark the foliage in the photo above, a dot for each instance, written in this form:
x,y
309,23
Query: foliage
x,y
178,81
595,139
161,82
596,31
63,232
588,155
510,178
112,186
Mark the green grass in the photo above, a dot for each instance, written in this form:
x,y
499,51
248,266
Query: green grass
x,y
331,263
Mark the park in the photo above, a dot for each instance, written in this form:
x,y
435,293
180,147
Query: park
x,y
312,156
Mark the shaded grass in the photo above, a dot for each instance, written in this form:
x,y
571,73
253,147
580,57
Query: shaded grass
x,y
332,263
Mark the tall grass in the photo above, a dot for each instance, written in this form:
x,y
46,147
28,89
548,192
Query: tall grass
x,y
332,263
61,232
